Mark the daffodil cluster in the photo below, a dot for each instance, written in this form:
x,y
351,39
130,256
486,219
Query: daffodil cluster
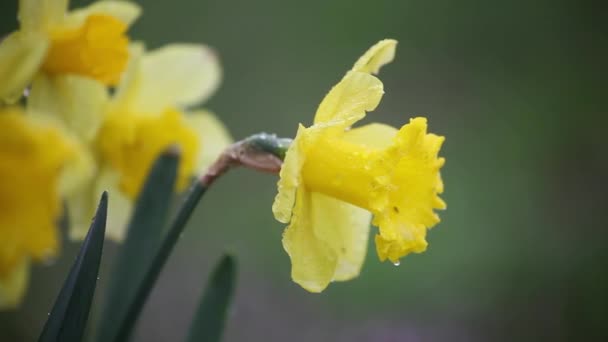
x,y
335,178
83,109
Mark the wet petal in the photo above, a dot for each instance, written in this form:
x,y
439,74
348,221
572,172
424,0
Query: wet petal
x,y
313,262
413,195
289,179
376,57
347,102
213,135
345,230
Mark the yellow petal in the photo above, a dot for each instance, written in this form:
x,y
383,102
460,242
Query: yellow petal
x,y
79,101
120,206
41,14
130,143
289,178
313,262
32,156
79,169
377,56
344,228
213,135
128,87
347,102
13,286
21,55
125,11
373,135
80,208
176,75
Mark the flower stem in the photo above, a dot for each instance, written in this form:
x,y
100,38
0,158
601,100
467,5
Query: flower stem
x,y
262,152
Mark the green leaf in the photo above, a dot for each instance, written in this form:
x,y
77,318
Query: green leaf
x,y
68,318
208,322
143,238
125,326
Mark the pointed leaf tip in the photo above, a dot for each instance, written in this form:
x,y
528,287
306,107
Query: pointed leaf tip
x,y
144,234
68,317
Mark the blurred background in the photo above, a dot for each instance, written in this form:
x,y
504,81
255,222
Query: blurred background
x,y
517,87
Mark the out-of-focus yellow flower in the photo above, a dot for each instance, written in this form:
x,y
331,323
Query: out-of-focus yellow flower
x,y
149,113
34,159
334,178
90,42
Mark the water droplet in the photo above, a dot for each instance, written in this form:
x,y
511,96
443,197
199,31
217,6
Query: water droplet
x,y
397,263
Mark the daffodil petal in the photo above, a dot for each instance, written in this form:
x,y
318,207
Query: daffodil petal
x,y
13,286
41,14
373,135
78,172
376,57
80,167
289,179
120,207
80,208
347,102
176,75
21,55
79,101
125,11
313,262
129,84
344,228
213,135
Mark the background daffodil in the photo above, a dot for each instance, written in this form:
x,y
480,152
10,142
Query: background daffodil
x,y
334,178
90,42
35,160
148,113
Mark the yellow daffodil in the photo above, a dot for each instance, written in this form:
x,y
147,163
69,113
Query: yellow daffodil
x,y
335,178
89,42
34,159
149,113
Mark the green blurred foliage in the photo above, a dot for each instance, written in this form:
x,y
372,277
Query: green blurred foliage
x,y
518,89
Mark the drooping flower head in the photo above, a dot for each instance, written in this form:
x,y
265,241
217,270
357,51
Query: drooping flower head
x,y
334,178
33,159
89,42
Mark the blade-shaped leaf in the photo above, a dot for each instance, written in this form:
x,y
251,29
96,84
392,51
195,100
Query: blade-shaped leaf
x,y
143,237
125,326
208,322
70,312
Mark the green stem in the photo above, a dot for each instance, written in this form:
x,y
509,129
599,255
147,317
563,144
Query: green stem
x,y
262,151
